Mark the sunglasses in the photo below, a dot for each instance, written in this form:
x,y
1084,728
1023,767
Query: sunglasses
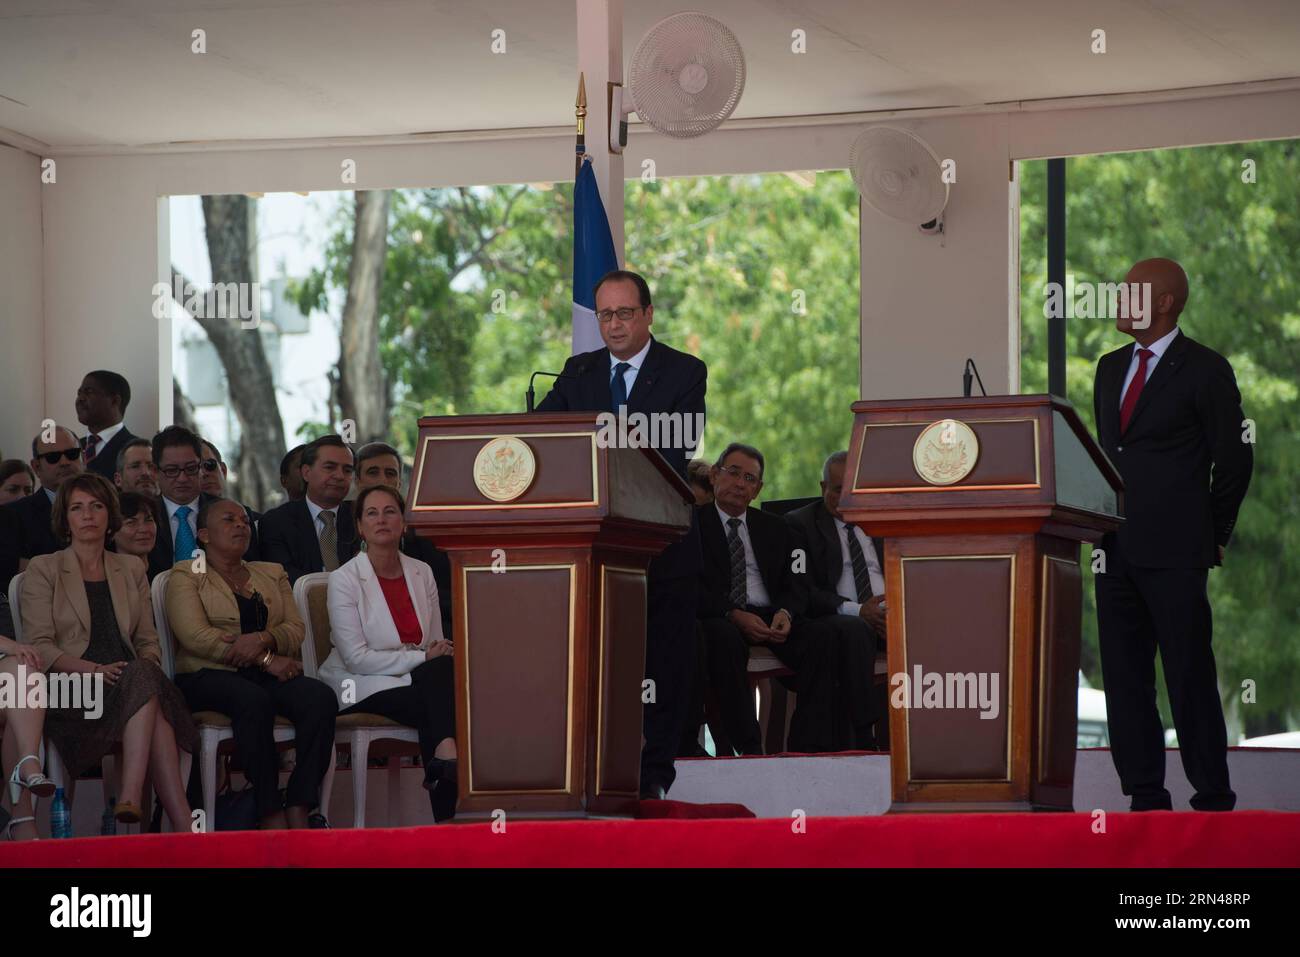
x,y
52,458
211,465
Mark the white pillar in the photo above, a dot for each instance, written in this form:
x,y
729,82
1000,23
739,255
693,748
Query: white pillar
x,y
600,58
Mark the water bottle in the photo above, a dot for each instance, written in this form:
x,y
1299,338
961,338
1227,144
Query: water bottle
x,y
108,823
60,816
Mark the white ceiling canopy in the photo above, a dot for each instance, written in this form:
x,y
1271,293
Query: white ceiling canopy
x,y
80,73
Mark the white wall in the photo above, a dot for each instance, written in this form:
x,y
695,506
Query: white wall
x,y
925,306
21,327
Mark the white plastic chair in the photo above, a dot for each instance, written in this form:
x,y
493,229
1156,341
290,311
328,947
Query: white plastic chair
x,y
215,733
762,667
356,732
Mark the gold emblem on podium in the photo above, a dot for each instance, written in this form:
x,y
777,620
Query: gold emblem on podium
x,y
945,452
504,468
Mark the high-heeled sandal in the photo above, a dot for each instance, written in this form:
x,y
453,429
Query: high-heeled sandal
x,y
38,783
9,828
128,813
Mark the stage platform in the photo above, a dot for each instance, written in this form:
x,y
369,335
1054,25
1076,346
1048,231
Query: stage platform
x,y
843,795
1156,839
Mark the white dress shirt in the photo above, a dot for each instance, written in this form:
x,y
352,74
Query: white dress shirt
x,y
192,518
316,513
629,375
1158,347
847,585
756,591
106,435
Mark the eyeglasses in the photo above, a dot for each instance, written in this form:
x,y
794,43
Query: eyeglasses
x,y
624,313
52,458
211,465
735,472
171,471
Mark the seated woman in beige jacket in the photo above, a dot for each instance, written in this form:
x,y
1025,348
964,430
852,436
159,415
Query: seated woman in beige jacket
x,y
238,637
87,610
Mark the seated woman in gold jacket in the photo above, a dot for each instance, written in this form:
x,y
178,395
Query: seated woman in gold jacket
x,y
238,637
86,610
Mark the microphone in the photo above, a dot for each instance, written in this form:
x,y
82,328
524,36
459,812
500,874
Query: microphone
x,y
966,377
530,397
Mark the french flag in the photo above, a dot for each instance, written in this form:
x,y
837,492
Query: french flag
x,y
593,256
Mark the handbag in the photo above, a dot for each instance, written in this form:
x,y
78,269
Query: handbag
x,y
236,810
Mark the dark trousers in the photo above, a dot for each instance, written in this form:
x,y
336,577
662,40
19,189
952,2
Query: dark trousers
x,y
831,660
840,710
427,704
1140,610
670,656
251,698
689,746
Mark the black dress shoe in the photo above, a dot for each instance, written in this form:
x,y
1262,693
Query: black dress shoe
x,y
317,821
653,791
440,782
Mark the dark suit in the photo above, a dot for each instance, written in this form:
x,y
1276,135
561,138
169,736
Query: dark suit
x,y
668,381
437,560
1186,471
25,532
105,461
809,649
288,537
856,706
164,547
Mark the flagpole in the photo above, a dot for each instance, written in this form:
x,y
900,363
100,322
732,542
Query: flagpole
x,y
580,146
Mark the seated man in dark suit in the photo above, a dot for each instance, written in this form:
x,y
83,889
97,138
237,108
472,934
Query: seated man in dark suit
x,y
212,480
101,403
25,529
750,595
135,469
313,534
379,464
176,454
845,588
291,474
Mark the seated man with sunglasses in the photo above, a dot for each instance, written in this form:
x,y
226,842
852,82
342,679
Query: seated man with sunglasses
x,y
212,481
25,527
177,454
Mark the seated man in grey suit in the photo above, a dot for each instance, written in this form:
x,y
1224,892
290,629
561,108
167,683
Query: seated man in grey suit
x,y
845,585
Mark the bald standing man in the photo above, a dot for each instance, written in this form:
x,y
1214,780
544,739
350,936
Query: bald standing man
x,y
1169,415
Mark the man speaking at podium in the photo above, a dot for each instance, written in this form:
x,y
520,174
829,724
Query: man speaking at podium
x,y
646,376
1169,416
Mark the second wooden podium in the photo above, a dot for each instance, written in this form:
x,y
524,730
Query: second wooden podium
x,y
550,535
982,503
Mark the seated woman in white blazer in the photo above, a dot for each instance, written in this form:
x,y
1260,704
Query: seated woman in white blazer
x,y
390,657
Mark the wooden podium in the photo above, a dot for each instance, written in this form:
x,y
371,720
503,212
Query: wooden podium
x,y
550,535
982,585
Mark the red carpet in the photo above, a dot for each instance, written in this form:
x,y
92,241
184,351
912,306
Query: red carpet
x,y
1158,839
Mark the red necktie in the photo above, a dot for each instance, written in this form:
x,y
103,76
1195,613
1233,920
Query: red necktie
x,y
1134,390
92,441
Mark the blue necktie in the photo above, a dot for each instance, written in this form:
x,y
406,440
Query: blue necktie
x,y
184,536
618,385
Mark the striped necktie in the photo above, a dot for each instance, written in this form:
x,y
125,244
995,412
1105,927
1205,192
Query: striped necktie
x,y
329,541
739,587
861,574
